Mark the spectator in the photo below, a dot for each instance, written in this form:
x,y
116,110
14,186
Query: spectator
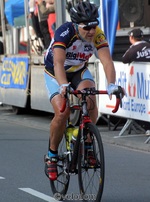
x,y
51,18
43,13
34,17
139,50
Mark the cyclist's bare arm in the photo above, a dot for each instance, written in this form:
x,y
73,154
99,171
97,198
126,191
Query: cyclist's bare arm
x,y
106,60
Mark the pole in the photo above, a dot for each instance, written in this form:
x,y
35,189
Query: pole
x,y
3,26
26,13
60,12
101,15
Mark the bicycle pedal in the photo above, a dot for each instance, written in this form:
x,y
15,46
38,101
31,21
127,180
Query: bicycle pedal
x,y
62,157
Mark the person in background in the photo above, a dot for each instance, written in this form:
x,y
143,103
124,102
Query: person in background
x,y
66,62
139,50
51,18
34,17
43,13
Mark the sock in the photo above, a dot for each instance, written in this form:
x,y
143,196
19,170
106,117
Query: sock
x,y
52,153
88,145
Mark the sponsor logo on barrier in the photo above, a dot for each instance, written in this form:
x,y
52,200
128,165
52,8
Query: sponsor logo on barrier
x,y
135,79
137,87
131,83
14,73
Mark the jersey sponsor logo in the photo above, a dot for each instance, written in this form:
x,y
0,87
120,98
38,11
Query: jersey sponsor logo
x,y
74,47
65,32
78,56
88,48
100,38
93,23
144,53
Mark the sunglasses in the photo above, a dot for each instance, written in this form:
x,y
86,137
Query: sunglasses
x,y
87,27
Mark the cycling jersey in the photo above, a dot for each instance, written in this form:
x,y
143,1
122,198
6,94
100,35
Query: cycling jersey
x,y
78,51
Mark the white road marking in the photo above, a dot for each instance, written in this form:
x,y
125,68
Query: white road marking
x,y
38,194
2,178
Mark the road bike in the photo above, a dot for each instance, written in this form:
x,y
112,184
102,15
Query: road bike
x,y
74,160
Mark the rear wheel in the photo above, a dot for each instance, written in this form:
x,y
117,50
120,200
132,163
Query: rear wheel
x,y
91,178
60,186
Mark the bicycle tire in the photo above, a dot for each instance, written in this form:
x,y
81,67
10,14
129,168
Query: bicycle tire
x,y
59,187
91,179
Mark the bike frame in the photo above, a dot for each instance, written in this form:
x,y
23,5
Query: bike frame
x,y
84,118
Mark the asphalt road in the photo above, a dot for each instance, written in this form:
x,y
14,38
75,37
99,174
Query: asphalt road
x,y
23,143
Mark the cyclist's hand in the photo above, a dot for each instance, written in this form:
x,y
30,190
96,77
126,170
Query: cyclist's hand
x,y
116,90
62,89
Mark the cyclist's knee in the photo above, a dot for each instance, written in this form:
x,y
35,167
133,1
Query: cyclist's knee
x,y
64,115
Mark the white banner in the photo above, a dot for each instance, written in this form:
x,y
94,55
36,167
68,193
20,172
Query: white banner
x,y
135,79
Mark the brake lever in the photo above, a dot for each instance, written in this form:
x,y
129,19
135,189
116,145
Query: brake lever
x,y
119,96
65,101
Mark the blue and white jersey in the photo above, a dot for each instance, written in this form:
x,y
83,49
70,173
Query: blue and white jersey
x,y
78,51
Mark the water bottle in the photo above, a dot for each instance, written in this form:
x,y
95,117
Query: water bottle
x,y
74,136
75,133
69,133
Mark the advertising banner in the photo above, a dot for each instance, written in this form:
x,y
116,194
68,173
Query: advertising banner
x,y
14,73
135,79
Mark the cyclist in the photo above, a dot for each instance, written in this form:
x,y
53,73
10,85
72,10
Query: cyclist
x,y
66,62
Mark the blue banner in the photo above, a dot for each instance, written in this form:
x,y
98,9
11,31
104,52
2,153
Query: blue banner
x,y
13,9
109,20
14,73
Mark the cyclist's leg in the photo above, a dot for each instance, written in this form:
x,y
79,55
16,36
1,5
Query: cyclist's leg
x,y
61,184
92,106
57,125
84,79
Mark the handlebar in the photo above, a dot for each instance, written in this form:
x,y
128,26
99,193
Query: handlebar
x,y
92,91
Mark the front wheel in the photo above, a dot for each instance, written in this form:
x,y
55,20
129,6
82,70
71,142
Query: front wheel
x,y
91,176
